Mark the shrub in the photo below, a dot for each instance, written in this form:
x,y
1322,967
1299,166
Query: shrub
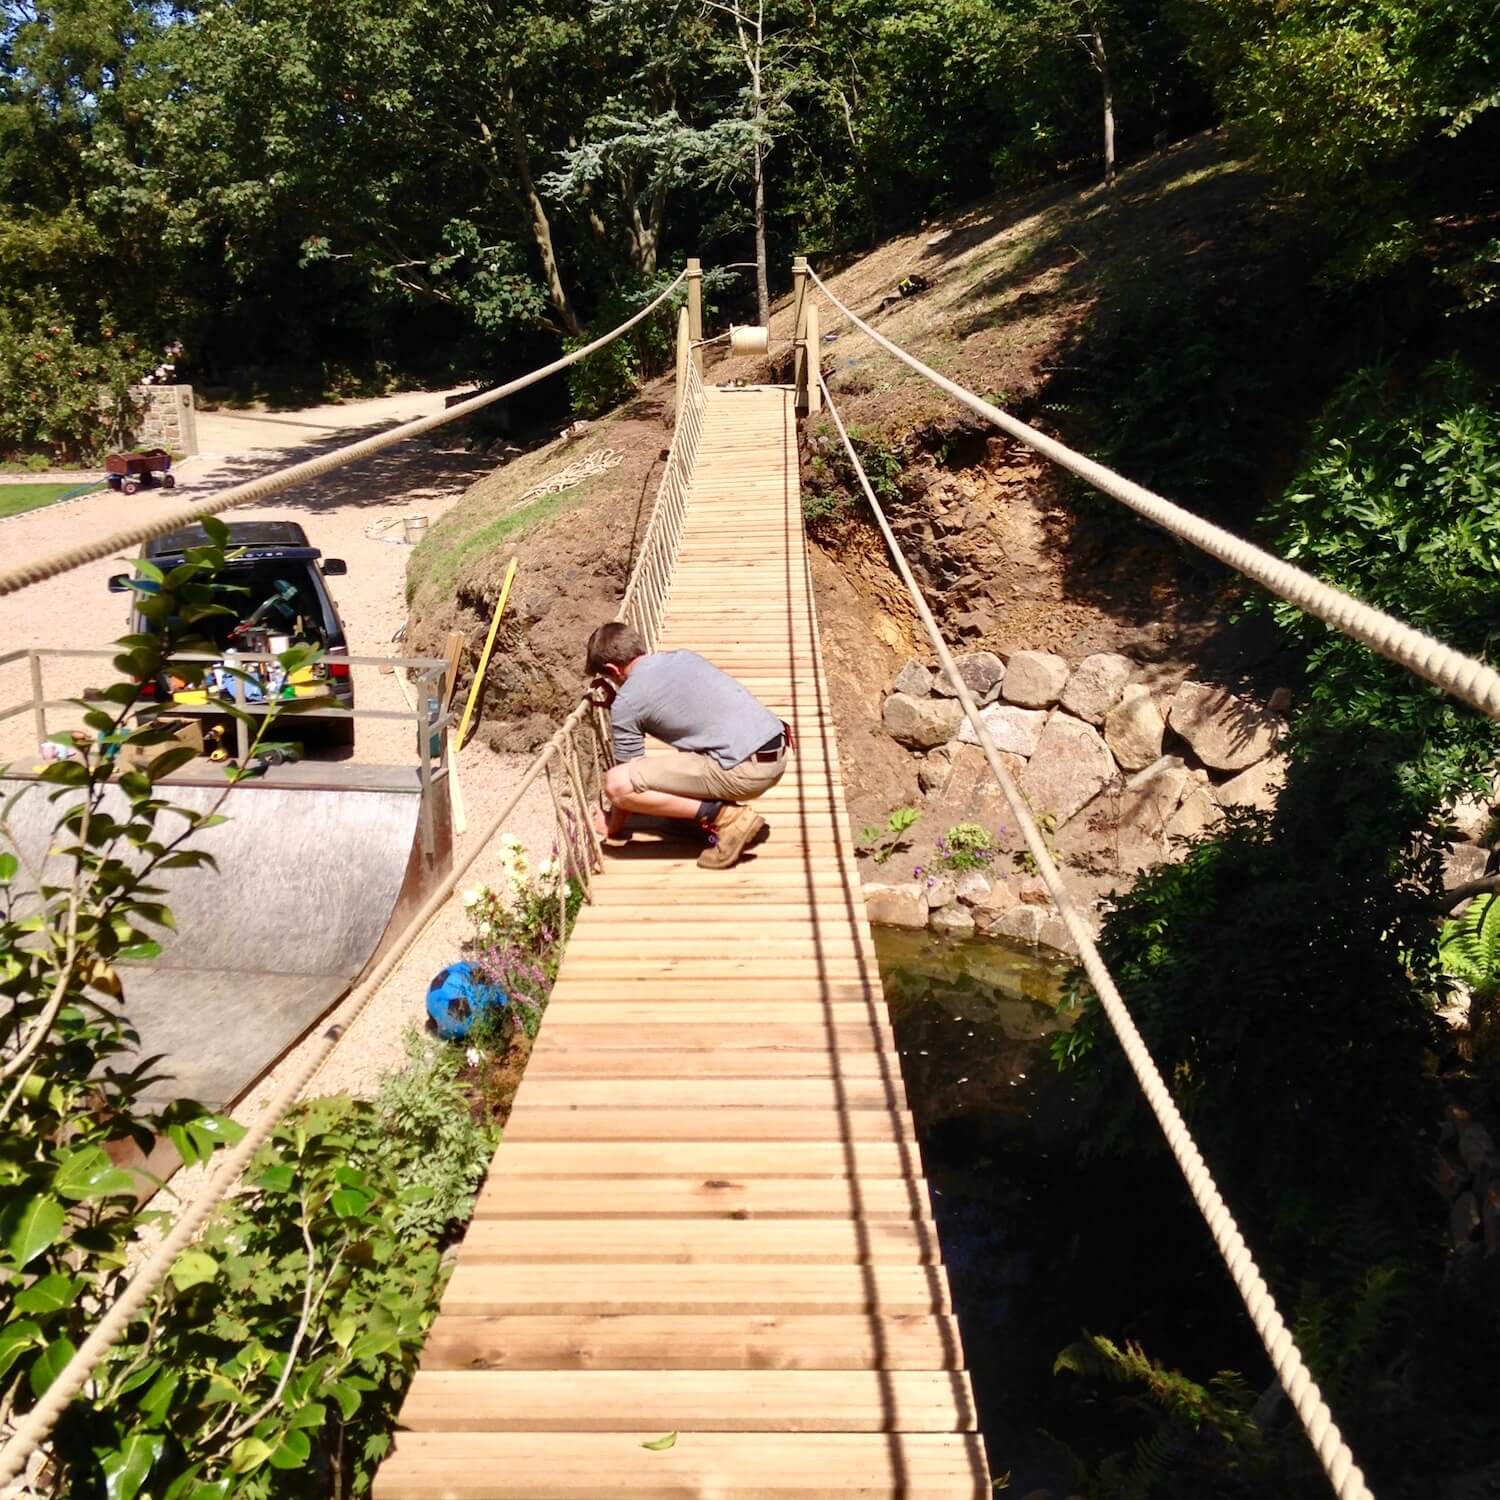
x,y
965,846
63,393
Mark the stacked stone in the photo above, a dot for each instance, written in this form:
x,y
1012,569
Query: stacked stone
x,y
165,418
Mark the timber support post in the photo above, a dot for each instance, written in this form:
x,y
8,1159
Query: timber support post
x,y
695,309
811,361
685,352
801,307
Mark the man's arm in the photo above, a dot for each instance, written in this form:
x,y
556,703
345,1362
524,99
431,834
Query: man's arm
x,y
629,739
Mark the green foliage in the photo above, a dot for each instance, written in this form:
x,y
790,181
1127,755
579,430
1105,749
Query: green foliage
x,y
1288,959
71,1077
965,846
1470,946
435,1142
272,1361
66,396
605,379
1399,504
880,843
1201,1438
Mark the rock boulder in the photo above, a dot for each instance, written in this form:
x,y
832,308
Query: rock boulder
x,y
1096,686
913,679
1227,732
954,921
982,673
1034,679
1133,729
1256,787
921,723
973,796
1014,729
1071,766
903,905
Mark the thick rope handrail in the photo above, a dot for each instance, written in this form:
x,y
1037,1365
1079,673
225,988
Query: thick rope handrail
x,y
1472,681
1286,1359
652,566
28,573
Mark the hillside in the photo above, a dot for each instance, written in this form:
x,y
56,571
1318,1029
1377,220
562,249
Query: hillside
x,y
1020,292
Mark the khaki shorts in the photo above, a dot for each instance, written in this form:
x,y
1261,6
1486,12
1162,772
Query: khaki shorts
x,y
687,774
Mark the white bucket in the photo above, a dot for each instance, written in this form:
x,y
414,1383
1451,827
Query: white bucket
x,y
414,528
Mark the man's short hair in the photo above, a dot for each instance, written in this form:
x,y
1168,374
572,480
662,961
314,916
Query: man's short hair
x,y
613,645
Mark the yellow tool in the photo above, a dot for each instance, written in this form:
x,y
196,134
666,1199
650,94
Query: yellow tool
x,y
484,656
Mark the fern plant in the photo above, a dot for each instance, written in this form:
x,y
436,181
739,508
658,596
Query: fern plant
x,y
1470,947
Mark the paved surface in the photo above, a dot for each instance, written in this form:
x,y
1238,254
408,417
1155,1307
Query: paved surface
x,y
708,1217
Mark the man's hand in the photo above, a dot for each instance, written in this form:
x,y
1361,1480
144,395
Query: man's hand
x,y
601,692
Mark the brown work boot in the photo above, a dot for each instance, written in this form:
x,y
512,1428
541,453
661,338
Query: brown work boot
x,y
732,830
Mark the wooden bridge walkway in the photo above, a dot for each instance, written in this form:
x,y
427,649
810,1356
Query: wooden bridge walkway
x,y
708,1215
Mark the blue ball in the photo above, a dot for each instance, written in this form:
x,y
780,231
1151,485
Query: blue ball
x,y
456,996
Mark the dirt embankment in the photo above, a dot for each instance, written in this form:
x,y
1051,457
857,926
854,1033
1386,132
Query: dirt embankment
x,y
574,548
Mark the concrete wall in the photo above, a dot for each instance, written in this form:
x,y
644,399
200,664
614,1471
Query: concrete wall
x,y
167,417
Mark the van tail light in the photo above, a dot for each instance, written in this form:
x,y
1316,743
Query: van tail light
x,y
339,670
149,688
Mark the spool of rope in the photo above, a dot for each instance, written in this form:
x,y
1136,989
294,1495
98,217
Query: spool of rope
x,y
752,339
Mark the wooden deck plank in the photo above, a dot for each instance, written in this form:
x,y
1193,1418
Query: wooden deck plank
x,y
708,1213
702,1341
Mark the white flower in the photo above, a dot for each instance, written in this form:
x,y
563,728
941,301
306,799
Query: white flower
x,y
473,1057
548,869
473,896
509,841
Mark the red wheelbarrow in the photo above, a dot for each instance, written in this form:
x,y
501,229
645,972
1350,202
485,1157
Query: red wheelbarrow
x,y
128,472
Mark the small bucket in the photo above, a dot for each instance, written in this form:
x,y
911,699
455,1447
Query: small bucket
x,y
414,528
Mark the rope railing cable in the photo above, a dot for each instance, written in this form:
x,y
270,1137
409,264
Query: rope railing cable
x,y
1472,681
656,554
25,574
1296,1380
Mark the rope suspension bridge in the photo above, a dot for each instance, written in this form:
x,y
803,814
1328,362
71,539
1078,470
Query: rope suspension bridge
x,y
703,1262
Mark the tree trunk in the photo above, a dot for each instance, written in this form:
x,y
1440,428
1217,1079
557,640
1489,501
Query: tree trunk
x,y
1101,61
762,282
541,229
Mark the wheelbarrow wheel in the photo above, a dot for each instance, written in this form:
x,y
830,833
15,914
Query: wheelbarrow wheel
x,y
169,481
128,487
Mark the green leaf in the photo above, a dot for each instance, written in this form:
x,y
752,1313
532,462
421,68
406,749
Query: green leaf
x,y
312,1416
141,952
90,1173
342,1330
661,1444
349,1203
49,1363
277,1179
9,864
48,1295
293,1451
249,1454
31,1226
128,1467
193,1268
347,1398
16,1339
157,1402
171,760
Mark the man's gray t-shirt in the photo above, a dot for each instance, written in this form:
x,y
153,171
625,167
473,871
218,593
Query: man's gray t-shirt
x,y
678,697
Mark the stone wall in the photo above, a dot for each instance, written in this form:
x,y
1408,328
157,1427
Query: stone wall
x,y
167,418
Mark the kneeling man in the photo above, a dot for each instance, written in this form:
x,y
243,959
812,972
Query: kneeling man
x,y
728,748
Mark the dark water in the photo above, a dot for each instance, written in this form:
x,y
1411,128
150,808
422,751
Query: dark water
x,y
973,1021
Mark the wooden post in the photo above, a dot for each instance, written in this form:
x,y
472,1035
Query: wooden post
x,y
695,308
812,351
684,351
800,306
799,329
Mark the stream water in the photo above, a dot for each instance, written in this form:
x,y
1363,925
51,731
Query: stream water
x,y
973,1022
